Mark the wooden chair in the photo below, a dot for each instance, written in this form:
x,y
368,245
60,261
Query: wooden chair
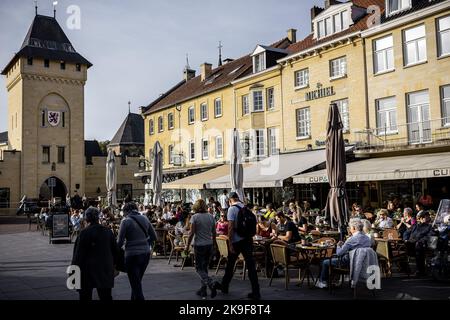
x,y
281,257
340,270
222,245
160,243
177,249
387,257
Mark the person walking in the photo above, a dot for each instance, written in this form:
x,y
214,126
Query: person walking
x,y
203,232
238,245
137,233
95,253
224,201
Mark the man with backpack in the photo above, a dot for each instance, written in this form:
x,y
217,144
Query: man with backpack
x,y
241,229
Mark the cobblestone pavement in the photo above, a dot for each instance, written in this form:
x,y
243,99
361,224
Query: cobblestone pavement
x,y
31,268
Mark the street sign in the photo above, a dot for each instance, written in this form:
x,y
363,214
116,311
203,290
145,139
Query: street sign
x,y
51,182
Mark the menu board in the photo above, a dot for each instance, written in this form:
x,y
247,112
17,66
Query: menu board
x,y
60,225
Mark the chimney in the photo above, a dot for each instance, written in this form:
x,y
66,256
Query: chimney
x,y
205,70
329,3
315,11
188,74
292,35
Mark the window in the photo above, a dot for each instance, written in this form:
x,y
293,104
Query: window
x,y
303,123
272,137
415,46
328,26
338,68
219,147
259,63
246,144
160,124
205,149
63,119
302,78
192,150
46,63
151,126
61,154
78,67
62,65
45,154
5,197
270,99
386,116
217,107
321,29
332,24
343,110
191,115
30,61
394,6
43,118
445,96
259,142
245,105
170,154
258,101
204,111
170,123
383,56
443,25
337,21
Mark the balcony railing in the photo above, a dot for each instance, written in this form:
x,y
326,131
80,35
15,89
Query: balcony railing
x,y
428,133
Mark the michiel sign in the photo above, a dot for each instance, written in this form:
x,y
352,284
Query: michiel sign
x,y
320,93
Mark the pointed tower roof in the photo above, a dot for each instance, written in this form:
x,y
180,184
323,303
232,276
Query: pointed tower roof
x,y
46,39
131,132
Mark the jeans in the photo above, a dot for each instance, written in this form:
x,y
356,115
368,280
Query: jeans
x,y
334,262
135,266
103,294
246,248
202,257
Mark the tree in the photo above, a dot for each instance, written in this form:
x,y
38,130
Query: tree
x,y
104,146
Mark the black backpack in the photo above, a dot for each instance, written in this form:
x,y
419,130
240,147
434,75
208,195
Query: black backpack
x,y
245,222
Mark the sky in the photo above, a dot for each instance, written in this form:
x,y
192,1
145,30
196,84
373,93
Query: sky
x,y
138,47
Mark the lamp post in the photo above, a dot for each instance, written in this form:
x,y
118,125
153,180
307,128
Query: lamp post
x,y
178,108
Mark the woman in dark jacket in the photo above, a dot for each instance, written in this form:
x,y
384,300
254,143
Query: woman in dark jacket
x,y
95,253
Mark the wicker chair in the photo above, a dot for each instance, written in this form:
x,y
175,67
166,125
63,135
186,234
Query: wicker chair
x,y
281,257
174,249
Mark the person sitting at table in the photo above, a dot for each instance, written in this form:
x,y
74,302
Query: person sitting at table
x,y
419,208
357,240
416,240
368,230
255,210
286,229
264,227
182,228
75,219
222,225
270,213
301,221
384,221
293,211
358,212
406,222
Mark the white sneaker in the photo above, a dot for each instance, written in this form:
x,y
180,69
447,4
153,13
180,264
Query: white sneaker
x,y
321,285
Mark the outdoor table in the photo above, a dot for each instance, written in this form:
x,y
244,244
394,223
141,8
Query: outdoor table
x,y
312,254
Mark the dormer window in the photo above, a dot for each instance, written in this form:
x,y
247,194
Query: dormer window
x,y
394,6
259,62
332,24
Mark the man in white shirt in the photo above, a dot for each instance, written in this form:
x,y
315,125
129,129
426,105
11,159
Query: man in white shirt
x,y
223,199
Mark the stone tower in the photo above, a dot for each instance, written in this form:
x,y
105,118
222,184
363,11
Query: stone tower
x,y
45,88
